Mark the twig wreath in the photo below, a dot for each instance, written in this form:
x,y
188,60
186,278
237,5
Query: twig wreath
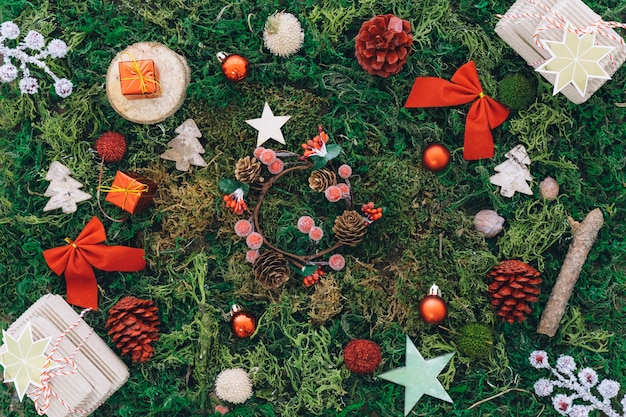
x,y
272,266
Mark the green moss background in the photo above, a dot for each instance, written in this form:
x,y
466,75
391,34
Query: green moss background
x,y
196,266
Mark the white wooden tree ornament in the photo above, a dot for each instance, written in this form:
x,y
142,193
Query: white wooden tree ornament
x,y
513,174
185,148
64,191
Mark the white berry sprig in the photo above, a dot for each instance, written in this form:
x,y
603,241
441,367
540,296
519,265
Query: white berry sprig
x,y
35,42
580,385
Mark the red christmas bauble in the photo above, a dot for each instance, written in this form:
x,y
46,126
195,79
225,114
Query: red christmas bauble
x,y
234,66
242,323
436,157
433,309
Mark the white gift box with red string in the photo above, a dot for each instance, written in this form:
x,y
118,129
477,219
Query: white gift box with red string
x,y
529,23
89,371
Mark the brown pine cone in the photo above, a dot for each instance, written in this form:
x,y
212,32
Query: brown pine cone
x,y
133,325
349,228
271,269
383,45
321,179
514,287
247,170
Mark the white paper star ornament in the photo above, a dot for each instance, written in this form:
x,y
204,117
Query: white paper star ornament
x,y
23,359
419,376
268,126
574,60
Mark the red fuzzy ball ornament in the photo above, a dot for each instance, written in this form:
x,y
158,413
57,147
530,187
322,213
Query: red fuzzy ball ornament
x,y
383,45
111,146
362,356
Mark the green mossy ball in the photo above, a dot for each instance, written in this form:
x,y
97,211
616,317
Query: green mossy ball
x,y
475,341
516,92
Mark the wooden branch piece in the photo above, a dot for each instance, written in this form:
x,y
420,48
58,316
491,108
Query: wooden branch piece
x,y
584,234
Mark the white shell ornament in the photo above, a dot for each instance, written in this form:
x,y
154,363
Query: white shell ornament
x,y
488,222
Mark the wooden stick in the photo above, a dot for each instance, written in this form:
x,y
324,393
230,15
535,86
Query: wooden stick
x,y
585,234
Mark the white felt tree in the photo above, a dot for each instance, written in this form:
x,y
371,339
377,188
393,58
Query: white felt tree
x,y
64,191
185,148
513,174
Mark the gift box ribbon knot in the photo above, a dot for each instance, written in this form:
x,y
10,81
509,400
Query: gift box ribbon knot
x,y
134,188
44,392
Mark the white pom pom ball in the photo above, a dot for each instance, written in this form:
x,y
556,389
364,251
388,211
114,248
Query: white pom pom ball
x,y
8,72
63,87
233,385
9,30
34,40
29,85
283,34
57,48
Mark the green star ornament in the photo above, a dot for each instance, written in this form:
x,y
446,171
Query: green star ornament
x,y
419,376
24,359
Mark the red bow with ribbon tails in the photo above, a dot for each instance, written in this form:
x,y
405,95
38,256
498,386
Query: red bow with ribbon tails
x,y
78,258
464,87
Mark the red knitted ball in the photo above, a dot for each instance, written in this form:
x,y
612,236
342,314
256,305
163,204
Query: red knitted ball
x,y
362,356
111,146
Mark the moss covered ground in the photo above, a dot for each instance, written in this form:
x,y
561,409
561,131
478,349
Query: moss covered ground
x,y
196,264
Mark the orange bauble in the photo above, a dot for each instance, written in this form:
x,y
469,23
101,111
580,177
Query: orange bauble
x,y
436,157
242,323
433,309
234,66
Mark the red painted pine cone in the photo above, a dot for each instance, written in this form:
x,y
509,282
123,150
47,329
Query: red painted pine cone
x,y
383,45
514,287
133,325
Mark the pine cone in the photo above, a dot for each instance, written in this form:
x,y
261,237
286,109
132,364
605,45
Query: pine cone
x,y
383,45
513,288
271,269
321,179
133,325
349,228
247,170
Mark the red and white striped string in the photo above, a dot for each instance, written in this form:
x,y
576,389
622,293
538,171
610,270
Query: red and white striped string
x,y
45,392
557,21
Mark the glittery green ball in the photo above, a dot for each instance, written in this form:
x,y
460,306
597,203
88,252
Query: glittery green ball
x,y
516,92
475,341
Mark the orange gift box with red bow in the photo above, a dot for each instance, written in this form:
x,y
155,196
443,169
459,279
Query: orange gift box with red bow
x,y
131,192
139,79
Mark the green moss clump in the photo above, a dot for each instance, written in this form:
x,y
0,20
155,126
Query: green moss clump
x,y
516,91
475,340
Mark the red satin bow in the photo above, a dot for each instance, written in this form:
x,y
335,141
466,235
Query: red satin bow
x,y
484,114
78,258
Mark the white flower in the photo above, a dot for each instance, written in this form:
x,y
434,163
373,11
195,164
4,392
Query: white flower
x,y
623,402
8,72
233,385
34,40
63,87
608,388
9,30
539,359
29,85
588,377
57,48
283,34
543,387
562,403
565,364
579,411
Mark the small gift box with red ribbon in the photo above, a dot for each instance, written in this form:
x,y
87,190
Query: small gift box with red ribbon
x,y
55,358
567,42
139,79
130,192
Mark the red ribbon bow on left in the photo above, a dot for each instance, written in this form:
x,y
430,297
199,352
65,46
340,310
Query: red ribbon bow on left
x,y
484,114
79,256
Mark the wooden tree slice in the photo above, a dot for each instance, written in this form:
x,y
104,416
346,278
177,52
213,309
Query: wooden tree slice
x,y
175,76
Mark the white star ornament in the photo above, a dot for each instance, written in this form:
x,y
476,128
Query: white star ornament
x,y
419,377
23,360
268,126
574,60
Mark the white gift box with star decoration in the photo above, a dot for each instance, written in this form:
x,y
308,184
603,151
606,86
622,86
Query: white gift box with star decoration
x,y
56,359
567,42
